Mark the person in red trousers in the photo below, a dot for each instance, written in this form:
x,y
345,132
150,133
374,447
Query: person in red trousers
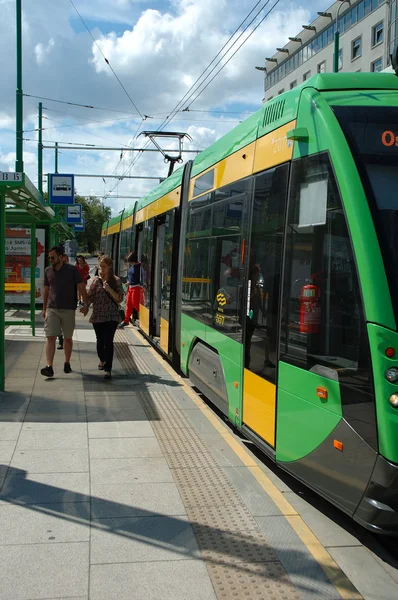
x,y
135,292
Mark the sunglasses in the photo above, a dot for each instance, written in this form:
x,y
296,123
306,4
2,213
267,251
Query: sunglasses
x,y
51,257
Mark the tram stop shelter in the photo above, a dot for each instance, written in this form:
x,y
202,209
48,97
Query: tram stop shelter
x,y
22,207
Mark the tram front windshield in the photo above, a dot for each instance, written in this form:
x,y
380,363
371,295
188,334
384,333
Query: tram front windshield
x,y
372,133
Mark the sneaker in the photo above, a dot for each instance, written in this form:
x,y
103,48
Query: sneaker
x,y
67,368
47,372
101,366
60,347
122,325
107,376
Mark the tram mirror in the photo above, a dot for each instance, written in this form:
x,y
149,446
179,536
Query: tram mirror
x,y
313,203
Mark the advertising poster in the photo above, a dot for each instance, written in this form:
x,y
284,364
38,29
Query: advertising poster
x,y
18,264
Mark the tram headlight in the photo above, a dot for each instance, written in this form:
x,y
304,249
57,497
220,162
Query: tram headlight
x,y
392,374
394,400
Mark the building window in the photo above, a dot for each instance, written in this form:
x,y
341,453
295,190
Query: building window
x,y
340,59
293,84
270,98
321,68
377,34
377,65
306,75
281,92
356,48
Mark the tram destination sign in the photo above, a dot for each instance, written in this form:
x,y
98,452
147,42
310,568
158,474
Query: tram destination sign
x,y
61,189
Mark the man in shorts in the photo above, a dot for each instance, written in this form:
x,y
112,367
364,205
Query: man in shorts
x,y
59,306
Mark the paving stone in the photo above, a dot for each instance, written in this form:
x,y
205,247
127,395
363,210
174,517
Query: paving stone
x,y
142,539
328,532
135,500
101,414
48,440
9,431
125,448
177,580
51,461
251,492
37,571
42,426
44,523
6,451
120,429
130,470
46,488
368,576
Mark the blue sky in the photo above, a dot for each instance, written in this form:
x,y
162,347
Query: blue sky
x,y
158,49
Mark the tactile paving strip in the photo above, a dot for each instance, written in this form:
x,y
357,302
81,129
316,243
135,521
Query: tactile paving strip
x,y
239,559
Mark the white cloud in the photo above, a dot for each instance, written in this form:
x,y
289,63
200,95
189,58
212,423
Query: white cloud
x,y
158,53
42,51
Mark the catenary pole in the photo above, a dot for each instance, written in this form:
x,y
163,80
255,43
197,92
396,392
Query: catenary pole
x,y
19,94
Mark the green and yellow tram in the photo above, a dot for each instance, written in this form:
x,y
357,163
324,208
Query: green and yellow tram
x,y
271,276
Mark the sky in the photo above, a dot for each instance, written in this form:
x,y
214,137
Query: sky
x,y
157,49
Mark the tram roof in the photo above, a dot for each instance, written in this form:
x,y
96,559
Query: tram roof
x,y
257,125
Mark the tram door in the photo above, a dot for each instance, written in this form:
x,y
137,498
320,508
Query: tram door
x,y
162,279
262,314
158,275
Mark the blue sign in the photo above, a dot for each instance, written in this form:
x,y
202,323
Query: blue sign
x,y
74,213
61,189
80,226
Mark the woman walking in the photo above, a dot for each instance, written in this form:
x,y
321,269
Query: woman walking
x,y
105,295
84,270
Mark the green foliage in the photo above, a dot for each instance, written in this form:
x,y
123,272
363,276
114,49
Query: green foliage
x,y
94,213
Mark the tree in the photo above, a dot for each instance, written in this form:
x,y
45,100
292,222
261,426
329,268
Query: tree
x,y
95,214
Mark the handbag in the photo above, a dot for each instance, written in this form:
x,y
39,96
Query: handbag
x,y
120,309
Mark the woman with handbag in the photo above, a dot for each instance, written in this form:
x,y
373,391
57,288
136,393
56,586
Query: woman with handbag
x,y
105,295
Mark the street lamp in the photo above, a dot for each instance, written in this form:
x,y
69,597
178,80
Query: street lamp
x,y
337,39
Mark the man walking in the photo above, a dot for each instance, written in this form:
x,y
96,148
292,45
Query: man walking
x,y
59,306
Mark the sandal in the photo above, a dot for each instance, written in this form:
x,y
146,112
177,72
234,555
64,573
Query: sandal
x,y
101,366
107,376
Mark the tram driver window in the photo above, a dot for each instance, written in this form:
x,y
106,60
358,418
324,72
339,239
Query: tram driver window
x,y
322,316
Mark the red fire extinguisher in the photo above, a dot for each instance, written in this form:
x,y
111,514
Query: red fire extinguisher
x,y
310,309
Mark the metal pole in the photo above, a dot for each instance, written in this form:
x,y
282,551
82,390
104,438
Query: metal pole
x,y
337,39
40,150
19,97
2,289
56,158
336,52
33,277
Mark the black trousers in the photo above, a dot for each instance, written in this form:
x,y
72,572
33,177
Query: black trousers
x,y
105,332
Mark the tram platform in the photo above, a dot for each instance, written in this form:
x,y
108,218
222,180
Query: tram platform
x,y
137,489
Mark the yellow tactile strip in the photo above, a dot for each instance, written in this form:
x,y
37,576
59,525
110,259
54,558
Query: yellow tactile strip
x,y
344,587
240,561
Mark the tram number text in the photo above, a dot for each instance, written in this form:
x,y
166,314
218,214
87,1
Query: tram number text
x,y
389,139
219,319
8,176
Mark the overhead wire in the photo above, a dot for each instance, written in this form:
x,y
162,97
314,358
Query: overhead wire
x,y
107,61
80,105
194,88
237,50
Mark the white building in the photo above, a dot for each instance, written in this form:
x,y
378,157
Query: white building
x,y
368,32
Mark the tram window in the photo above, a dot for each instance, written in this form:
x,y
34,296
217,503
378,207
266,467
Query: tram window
x,y
166,265
226,258
125,249
265,259
204,183
146,258
323,322
196,301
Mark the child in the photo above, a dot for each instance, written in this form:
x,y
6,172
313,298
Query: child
x,y
135,291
